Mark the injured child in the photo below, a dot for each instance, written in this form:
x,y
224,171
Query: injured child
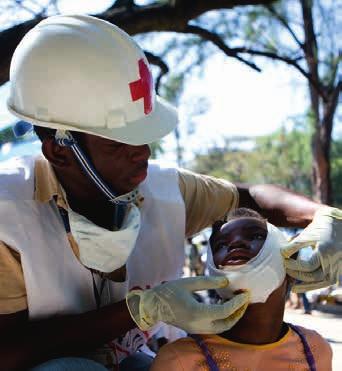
x,y
246,249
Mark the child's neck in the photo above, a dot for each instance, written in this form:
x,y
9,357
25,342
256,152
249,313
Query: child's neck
x,y
262,323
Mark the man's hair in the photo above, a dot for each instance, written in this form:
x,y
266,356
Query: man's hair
x,y
244,212
43,133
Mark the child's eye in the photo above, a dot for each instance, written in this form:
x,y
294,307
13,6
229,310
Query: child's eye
x,y
219,247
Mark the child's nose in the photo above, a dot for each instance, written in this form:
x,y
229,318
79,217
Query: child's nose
x,y
239,242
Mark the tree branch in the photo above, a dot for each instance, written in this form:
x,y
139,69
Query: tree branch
x,y
292,62
138,19
164,69
284,22
9,39
329,111
234,52
24,7
217,40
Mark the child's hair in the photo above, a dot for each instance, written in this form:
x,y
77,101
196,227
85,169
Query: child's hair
x,y
243,212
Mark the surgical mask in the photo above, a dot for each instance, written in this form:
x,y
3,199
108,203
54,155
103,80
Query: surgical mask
x,y
261,275
101,249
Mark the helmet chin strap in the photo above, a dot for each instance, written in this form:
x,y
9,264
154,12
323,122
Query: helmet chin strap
x,y
65,139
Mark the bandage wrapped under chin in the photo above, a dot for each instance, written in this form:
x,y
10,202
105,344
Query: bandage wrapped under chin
x,y
261,275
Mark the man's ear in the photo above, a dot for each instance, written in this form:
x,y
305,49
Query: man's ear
x,y
57,155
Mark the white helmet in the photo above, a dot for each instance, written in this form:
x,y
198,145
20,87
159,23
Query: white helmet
x,y
84,74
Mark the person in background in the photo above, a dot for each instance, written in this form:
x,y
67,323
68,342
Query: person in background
x,y
196,265
306,303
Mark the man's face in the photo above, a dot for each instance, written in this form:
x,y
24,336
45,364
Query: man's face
x,y
238,241
122,166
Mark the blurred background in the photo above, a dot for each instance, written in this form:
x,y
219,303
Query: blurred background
x,y
257,85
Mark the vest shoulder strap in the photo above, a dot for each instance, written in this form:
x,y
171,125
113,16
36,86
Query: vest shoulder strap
x,y
17,179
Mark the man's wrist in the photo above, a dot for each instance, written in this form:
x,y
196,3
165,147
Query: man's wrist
x,y
135,308
329,211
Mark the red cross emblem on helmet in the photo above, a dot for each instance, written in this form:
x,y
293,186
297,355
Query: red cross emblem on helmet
x,y
142,88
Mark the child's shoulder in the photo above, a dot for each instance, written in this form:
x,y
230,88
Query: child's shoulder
x,y
183,345
182,354
319,347
312,336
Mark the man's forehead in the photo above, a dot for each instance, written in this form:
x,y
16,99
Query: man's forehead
x,y
95,139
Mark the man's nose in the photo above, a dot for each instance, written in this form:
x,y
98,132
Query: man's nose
x,y
140,153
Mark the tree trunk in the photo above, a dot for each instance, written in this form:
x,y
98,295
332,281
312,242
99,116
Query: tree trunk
x,y
321,168
321,145
323,119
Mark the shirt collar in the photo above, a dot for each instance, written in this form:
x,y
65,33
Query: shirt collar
x,y
47,186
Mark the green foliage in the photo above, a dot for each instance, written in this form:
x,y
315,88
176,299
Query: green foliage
x,y
6,135
156,149
172,89
280,158
336,171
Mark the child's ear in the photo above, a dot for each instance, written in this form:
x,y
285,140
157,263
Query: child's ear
x,y
216,228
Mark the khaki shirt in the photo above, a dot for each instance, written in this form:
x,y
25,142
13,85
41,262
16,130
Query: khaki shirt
x,y
206,199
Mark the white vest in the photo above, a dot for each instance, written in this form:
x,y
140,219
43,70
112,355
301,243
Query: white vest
x,y
56,282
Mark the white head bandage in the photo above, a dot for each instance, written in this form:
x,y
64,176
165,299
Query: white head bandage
x,y
261,275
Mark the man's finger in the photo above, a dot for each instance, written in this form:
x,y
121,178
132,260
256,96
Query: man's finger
x,y
314,276
226,324
227,309
295,245
202,283
309,265
303,287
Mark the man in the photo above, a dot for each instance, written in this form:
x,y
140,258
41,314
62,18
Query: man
x,y
92,223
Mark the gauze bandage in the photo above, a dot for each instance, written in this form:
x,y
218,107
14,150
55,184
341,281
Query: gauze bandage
x,y
261,275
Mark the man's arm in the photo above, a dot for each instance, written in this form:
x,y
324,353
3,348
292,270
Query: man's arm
x,y
24,343
281,206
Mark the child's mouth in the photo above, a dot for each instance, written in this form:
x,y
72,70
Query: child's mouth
x,y
237,256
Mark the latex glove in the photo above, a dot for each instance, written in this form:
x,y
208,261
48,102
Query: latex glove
x,y
173,303
325,265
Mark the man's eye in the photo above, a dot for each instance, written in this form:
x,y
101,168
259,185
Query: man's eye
x,y
259,236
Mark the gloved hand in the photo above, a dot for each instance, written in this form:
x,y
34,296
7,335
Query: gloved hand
x,y
325,265
173,303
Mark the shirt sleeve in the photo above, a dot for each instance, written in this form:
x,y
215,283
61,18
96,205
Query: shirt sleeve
x,y
12,285
206,199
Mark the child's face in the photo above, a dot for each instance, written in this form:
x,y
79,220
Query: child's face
x,y
238,241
